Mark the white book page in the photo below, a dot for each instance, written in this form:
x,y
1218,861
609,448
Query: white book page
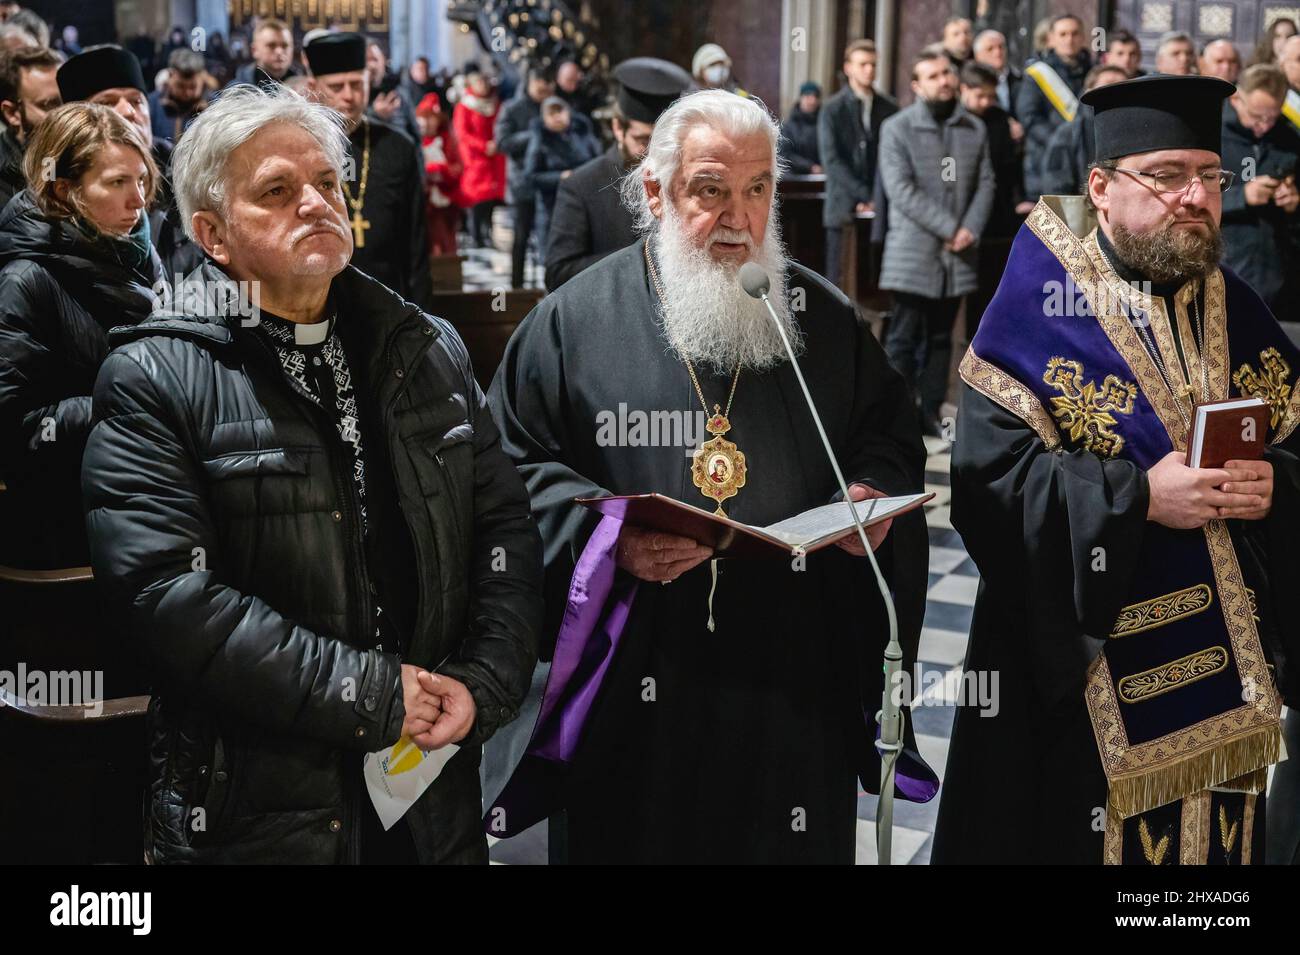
x,y
813,525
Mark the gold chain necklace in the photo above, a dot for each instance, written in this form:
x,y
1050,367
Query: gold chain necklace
x,y
359,223
717,466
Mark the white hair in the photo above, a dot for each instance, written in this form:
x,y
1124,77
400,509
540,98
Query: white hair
x,y
733,115
199,162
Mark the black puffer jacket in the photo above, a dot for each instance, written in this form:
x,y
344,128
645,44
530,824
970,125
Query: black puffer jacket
x,y
224,525
60,292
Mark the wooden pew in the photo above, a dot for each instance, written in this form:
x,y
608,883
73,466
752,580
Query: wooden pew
x,y
485,320
72,779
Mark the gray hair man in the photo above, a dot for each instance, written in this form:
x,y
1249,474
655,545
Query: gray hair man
x,y
661,332
299,503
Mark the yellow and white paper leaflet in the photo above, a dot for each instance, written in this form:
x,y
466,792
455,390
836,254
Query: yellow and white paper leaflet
x,y
1291,108
398,775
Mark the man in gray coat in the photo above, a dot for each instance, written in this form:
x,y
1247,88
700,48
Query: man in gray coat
x,y
938,178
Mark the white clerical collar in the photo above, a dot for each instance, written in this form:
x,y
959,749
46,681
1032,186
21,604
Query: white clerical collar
x,y
312,334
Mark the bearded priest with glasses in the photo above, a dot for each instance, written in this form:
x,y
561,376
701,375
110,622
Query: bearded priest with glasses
x,y
1133,606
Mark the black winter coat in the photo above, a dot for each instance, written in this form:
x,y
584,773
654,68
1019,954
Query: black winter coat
x,y
224,527
849,152
589,220
799,141
60,293
1259,242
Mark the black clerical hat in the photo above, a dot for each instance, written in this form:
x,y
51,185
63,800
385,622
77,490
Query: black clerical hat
x,y
336,53
97,69
1158,112
648,86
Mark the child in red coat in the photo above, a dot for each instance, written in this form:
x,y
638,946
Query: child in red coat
x,y
442,173
483,180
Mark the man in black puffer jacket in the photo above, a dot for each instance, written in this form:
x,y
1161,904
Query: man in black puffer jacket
x,y
259,487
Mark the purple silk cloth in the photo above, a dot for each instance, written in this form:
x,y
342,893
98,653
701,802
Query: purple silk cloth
x,y
594,617
580,662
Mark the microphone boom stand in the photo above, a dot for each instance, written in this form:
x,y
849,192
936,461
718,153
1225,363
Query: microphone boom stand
x,y
890,717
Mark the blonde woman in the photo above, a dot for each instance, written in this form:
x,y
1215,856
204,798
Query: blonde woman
x,y
75,260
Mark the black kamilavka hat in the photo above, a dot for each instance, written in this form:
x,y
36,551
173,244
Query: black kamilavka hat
x,y
1158,112
97,69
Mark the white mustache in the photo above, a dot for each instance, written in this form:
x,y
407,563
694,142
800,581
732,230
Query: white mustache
x,y
304,231
731,237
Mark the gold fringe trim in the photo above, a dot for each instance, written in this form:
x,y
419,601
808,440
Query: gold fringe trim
x,y
1248,754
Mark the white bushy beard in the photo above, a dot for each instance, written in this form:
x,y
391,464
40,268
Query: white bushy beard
x,y
706,315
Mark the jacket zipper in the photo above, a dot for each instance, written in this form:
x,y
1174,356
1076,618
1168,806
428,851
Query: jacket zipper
x,y
347,492
420,569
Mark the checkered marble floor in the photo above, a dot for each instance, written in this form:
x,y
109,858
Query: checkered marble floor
x,y
951,597
486,269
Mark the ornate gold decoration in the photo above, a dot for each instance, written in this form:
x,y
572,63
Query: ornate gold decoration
x,y
1162,610
1002,389
1155,854
717,467
1139,687
1227,836
1084,409
1218,748
1271,383
1254,604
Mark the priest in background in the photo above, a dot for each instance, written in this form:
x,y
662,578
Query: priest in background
x,y
589,220
1135,609
735,717
384,185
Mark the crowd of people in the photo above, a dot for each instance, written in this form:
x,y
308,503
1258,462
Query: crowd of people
x,y
328,544
944,247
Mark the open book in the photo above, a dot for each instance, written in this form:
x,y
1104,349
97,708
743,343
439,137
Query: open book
x,y
807,532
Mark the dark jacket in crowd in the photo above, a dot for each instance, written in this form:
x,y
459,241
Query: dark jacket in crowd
x,y
61,289
514,126
12,179
1009,189
589,220
404,119
168,120
269,687
849,151
248,73
1040,118
799,141
180,255
1259,242
552,154
1013,78
1067,157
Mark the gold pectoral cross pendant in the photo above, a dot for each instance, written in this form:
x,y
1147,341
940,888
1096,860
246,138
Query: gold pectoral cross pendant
x,y
718,468
359,227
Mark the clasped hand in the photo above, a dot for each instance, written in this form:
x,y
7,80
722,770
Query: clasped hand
x,y
1186,498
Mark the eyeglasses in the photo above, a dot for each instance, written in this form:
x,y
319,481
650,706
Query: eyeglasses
x,y
1166,183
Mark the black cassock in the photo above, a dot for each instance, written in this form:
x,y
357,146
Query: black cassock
x,y
396,243
589,221
1024,786
757,731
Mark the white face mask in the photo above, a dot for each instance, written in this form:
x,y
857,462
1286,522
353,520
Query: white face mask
x,y
717,74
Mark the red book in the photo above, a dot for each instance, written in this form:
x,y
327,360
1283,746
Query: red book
x,y
1231,430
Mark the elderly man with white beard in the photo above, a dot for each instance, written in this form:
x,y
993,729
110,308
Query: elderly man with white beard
x,y
723,710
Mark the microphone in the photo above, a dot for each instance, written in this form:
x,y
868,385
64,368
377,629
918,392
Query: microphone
x,y
756,284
